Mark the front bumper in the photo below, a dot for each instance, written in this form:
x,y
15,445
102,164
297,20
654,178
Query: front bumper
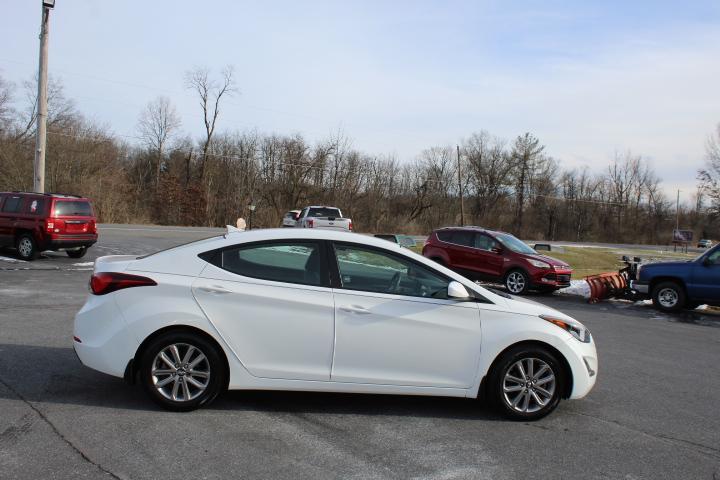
x,y
643,288
554,279
583,361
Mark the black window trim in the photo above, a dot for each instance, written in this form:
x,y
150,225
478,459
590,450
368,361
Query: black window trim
x,y
214,257
335,270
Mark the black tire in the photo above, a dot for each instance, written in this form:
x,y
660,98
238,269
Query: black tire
x,y
517,282
507,364
79,253
213,365
26,247
669,296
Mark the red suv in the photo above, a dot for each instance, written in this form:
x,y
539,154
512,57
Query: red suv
x,y
33,222
496,256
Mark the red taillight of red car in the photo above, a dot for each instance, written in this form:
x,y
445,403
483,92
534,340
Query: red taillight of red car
x,y
106,282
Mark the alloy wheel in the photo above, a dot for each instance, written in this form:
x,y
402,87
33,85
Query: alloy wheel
x,y
668,297
529,385
515,282
180,372
25,247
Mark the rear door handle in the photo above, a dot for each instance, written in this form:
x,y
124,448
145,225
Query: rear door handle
x,y
355,309
214,289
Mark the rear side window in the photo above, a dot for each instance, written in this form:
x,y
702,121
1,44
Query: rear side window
x,y
466,239
445,236
292,262
35,206
12,204
71,208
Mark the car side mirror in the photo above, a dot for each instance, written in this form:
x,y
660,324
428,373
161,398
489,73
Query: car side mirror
x,y
457,290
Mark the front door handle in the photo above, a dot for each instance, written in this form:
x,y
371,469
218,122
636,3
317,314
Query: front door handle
x,y
355,309
214,289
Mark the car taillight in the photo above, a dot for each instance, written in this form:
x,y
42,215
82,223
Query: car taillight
x,y
350,226
311,223
93,227
106,282
49,226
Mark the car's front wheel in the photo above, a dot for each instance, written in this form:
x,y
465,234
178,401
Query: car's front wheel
x,y
668,296
182,371
526,383
517,282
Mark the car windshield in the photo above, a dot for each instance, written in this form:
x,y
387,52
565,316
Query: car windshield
x,y
514,244
324,212
706,252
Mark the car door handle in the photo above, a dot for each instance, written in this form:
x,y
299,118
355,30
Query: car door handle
x,y
214,289
355,309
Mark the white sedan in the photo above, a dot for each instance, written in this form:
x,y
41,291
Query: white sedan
x,y
313,310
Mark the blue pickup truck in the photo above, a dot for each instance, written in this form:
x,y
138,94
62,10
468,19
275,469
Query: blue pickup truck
x,y
676,285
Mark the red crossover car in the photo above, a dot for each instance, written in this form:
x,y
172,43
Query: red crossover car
x,y
33,222
496,256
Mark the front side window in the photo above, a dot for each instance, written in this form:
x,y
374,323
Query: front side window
x,y
483,242
714,257
291,262
372,270
12,204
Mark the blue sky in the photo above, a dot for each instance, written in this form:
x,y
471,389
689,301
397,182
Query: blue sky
x,y
588,78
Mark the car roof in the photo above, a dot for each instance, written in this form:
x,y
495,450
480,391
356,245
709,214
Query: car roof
x,y
52,195
473,228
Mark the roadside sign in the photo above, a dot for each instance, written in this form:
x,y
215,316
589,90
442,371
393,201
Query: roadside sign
x,y
682,236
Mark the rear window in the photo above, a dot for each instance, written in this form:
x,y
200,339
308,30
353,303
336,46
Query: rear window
x,y
324,212
72,209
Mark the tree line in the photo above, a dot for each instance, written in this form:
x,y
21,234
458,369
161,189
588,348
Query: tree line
x,y
165,176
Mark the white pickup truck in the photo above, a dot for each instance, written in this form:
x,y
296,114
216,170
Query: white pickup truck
x,y
329,218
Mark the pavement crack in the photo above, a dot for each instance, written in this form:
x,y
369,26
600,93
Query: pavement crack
x,y
57,432
701,448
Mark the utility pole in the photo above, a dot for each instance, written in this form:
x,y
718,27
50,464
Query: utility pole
x,y
677,212
42,100
460,189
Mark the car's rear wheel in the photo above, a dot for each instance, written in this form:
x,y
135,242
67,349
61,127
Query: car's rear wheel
x,y
517,282
669,296
26,247
526,383
182,371
77,253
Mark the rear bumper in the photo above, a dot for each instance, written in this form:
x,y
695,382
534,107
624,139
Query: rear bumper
x,y
57,242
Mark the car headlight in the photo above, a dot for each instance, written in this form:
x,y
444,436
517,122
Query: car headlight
x,y
538,263
575,329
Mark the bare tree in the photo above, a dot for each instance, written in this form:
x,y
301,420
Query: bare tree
x,y
709,176
525,154
157,124
210,92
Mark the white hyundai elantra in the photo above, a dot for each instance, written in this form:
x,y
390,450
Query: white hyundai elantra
x,y
320,310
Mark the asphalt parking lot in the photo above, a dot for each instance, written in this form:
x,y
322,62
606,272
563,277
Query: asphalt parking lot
x,y
654,412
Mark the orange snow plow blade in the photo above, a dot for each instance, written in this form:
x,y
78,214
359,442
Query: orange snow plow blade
x,y
607,285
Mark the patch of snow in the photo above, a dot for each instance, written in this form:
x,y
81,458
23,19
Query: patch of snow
x,y
577,287
84,264
11,260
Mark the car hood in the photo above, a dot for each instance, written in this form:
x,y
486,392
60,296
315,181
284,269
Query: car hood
x,y
544,258
679,264
530,307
